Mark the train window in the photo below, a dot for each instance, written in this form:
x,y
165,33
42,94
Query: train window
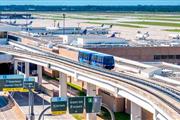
x,y
177,56
94,58
85,56
99,59
102,58
80,54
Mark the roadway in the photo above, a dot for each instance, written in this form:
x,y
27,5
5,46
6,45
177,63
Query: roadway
x,y
11,111
41,101
160,96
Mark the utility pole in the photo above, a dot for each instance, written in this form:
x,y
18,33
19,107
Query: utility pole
x,y
64,16
31,101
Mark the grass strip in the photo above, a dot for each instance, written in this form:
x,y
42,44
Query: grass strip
x,y
85,18
75,86
121,116
167,24
172,30
117,24
160,19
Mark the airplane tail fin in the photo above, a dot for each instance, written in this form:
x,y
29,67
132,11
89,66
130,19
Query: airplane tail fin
x,y
102,25
30,22
84,32
111,26
114,34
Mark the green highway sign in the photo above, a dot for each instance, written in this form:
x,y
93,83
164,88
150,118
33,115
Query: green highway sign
x,y
76,104
58,105
11,82
29,83
93,104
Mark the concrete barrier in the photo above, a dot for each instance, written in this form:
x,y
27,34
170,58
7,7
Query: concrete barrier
x,y
19,113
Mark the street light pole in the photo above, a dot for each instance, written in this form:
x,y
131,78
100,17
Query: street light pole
x,y
64,16
32,117
40,116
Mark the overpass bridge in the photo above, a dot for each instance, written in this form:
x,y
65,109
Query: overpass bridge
x,y
161,100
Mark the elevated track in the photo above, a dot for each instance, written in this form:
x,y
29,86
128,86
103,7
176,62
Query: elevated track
x,y
168,99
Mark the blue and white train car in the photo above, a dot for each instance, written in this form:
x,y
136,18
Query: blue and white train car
x,y
84,57
97,59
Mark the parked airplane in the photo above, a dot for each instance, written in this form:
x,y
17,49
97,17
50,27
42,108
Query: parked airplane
x,y
102,27
142,36
114,34
21,25
174,36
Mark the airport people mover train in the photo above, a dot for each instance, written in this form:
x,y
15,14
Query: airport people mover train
x,y
96,59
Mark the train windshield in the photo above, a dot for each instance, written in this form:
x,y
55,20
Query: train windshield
x,y
109,60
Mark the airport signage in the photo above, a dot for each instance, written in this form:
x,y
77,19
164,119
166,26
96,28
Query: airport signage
x,y
11,82
58,105
93,104
76,104
29,83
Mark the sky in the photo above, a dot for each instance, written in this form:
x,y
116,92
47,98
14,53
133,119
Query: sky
x,y
89,2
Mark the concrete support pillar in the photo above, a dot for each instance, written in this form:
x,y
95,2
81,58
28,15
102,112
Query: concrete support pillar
x,y
26,69
91,91
15,67
158,116
155,115
62,85
135,112
39,72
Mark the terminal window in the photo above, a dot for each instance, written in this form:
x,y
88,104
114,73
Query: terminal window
x,y
171,56
159,57
177,56
164,56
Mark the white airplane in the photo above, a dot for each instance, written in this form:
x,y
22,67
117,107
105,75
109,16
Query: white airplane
x,y
142,36
92,27
174,36
52,28
114,34
10,23
102,27
22,25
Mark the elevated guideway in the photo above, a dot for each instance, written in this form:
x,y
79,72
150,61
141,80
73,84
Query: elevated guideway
x,y
145,71
162,81
157,99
